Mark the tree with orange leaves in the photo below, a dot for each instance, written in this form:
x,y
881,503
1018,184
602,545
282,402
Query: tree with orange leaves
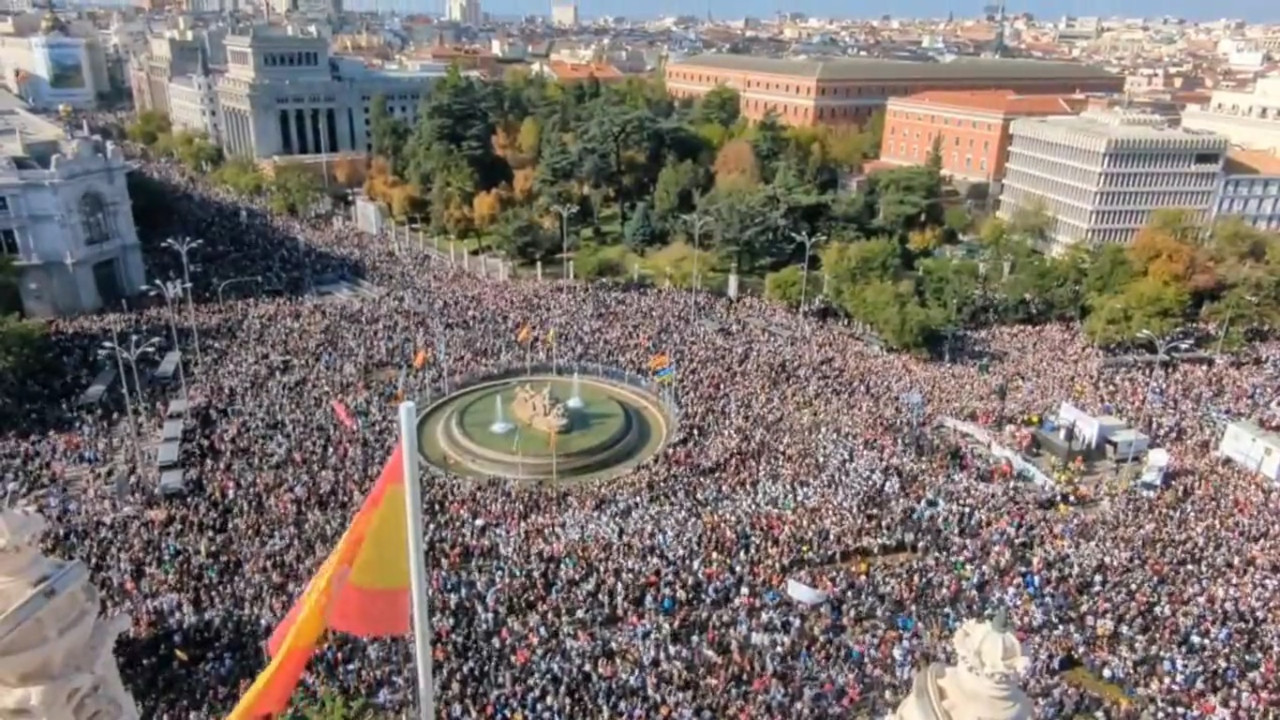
x,y
1168,250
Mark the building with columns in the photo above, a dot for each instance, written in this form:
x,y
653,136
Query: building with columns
x,y
65,218
1101,175
284,95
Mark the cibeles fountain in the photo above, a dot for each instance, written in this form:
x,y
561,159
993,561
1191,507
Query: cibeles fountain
x,y
55,648
982,685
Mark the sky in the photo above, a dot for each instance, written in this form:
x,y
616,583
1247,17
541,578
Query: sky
x,y
1251,10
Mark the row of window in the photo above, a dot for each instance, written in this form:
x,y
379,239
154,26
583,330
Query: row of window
x,y
95,223
893,131
1250,206
301,58
946,120
950,162
1252,186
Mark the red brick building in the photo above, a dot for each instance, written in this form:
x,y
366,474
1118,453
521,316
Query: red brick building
x,y
850,90
974,127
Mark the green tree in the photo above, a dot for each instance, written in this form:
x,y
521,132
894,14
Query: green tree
x,y
957,220
722,105
768,139
785,285
149,127
1144,304
522,237
388,133
241,176
852,265
293,190
676,190
641,230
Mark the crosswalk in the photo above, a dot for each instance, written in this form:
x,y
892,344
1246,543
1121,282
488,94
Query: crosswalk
x,y
347,290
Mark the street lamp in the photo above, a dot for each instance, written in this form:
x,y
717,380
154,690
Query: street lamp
x,y
1226,324
183,246
566,211
171,291
222,285
1164,345
808,240
136,350
113,348
697,223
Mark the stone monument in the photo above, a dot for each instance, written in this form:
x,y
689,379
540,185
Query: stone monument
x,y
981,686
55,649
539,410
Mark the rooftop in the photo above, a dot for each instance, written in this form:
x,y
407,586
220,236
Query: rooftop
x,y
1000,102
1252,162
877,69
582,71
1120,124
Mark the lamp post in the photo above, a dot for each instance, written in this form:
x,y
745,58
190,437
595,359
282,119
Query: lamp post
x,y
70,261
183,246
1164,346
1226,324
222,285
113,348
171,291
136,350
697,223
566,211
808,240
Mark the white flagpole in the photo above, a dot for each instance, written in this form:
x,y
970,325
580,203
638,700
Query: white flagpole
x,y
417,560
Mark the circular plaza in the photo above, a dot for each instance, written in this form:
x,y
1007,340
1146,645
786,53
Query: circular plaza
x,y
546,424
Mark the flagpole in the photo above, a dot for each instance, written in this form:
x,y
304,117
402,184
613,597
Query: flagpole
x,y
417,560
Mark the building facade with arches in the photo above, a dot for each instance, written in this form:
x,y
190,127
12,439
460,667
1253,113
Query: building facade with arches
x,y
66,220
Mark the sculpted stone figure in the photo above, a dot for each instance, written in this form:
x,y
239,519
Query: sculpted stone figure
x,y
982,685
539,410
55,649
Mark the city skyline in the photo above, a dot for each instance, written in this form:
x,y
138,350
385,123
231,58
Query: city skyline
x,y
1249,10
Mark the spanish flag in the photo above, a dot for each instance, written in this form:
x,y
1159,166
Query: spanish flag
x,y
361,589
420,360
525,334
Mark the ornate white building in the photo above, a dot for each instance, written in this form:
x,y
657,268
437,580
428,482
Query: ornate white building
x,y
983,685
66,220
55,649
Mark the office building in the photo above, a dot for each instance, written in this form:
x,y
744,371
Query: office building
x,y
176,53
850,90
65,218
564,13
465,12
1250,189
50,63
973,126
1249,119
284,95
1101,175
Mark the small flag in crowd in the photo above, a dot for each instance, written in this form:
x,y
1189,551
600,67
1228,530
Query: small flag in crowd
x,y
551,337
421,359
525,335
344,415
662,368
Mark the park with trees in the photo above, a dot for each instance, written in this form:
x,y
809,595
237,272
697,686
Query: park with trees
x,y
634,183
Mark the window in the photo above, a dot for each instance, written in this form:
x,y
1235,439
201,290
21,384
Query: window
x,y
93,219
4,206
9,243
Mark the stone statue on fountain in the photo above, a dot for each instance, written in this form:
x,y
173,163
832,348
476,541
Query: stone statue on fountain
x,y
55,649
540,410
982,685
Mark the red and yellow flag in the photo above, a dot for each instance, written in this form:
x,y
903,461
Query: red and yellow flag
x,y
361,589
525,335
420,360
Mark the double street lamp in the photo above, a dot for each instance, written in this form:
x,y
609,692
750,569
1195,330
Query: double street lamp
x,y
697,222
171,291
808,240
566,211
183,246
136,350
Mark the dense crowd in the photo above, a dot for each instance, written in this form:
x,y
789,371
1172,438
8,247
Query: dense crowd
x,y
658,594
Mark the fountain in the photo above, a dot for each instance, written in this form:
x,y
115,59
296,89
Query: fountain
x,y
500,424
575,402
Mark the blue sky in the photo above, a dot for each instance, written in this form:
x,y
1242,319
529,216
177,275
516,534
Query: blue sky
x,y
1252,10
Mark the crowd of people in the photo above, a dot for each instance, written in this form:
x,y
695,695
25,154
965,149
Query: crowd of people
x,y
659,593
